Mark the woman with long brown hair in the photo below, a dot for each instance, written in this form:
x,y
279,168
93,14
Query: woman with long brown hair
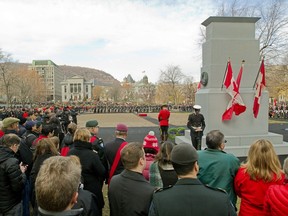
x,y
261,170
43,150
162,173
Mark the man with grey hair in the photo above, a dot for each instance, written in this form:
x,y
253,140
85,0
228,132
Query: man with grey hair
x,y
218,168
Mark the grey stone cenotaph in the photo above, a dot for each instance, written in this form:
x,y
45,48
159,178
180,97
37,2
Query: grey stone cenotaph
x,y
234,38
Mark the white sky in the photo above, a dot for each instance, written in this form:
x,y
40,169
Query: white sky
x,y
120,37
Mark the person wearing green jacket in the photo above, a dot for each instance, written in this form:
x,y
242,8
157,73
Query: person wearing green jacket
x,y
217,168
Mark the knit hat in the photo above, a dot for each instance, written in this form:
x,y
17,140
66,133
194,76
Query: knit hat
x,y
151,141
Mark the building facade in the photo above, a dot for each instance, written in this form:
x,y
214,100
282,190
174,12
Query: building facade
x,y
76,88
51,76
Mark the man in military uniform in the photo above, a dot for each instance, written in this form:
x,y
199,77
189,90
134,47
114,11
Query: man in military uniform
x,y
189,196
196,124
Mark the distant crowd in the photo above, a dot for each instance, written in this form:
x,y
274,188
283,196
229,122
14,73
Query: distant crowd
x,y
50,166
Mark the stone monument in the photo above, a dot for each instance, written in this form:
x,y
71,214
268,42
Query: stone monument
x,y
234,38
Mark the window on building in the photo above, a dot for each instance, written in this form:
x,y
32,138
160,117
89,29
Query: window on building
x,y
79,87
65,89
86,88
71,88
75,88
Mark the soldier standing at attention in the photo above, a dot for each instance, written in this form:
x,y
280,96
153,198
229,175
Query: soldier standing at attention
x,y
196,124
163,118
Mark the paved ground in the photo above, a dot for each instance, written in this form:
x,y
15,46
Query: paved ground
x,y
138,127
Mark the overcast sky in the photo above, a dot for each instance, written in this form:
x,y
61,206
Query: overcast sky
x,y
120,37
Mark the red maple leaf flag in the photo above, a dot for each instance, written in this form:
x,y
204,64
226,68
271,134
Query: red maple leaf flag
x,y
199,86
260,85
236,103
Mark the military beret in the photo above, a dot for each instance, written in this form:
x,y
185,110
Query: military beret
x,y
121,127
184,154
92,123
9,121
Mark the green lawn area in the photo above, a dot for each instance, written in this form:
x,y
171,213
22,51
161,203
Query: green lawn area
x,y
278,121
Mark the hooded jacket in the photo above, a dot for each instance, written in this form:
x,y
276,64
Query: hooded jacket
x,y
12,180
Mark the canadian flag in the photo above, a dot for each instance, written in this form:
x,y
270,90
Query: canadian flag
x,y
199,86
236,103
260,85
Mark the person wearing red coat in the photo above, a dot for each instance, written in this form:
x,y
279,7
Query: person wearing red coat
x,y
261,170
163,118
276,199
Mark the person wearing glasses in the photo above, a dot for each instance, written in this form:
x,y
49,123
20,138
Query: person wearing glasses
x,y
218,168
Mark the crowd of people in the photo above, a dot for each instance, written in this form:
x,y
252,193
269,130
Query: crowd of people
x,y
47,169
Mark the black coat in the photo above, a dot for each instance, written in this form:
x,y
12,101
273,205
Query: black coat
x,y
88,202
12,180
190,197
110,150
129,194
93,172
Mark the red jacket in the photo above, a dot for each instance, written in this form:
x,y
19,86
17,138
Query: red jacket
x,y
276,201
163,117
252,192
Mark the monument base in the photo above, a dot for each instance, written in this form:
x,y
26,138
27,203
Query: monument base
x,y
239,145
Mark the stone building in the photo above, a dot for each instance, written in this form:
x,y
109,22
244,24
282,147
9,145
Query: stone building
x,y
76,88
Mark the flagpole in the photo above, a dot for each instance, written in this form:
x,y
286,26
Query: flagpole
x,y
225,73
258,73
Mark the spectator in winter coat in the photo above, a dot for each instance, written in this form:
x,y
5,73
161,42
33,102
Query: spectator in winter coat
x,y
216,167
30,135
12,176
68,138
261,170
44,149
162,173
54,197
151,148
92,169
151,142
276,199
129,193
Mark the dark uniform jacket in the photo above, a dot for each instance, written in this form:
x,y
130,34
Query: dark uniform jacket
x,y
12,180
93,172
110,150
196,120
129,194
190,197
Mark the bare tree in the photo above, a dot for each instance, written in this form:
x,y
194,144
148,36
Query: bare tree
x,y
29,87
147,93
172,77
271,29
7,78
276,80
97,92
189,89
